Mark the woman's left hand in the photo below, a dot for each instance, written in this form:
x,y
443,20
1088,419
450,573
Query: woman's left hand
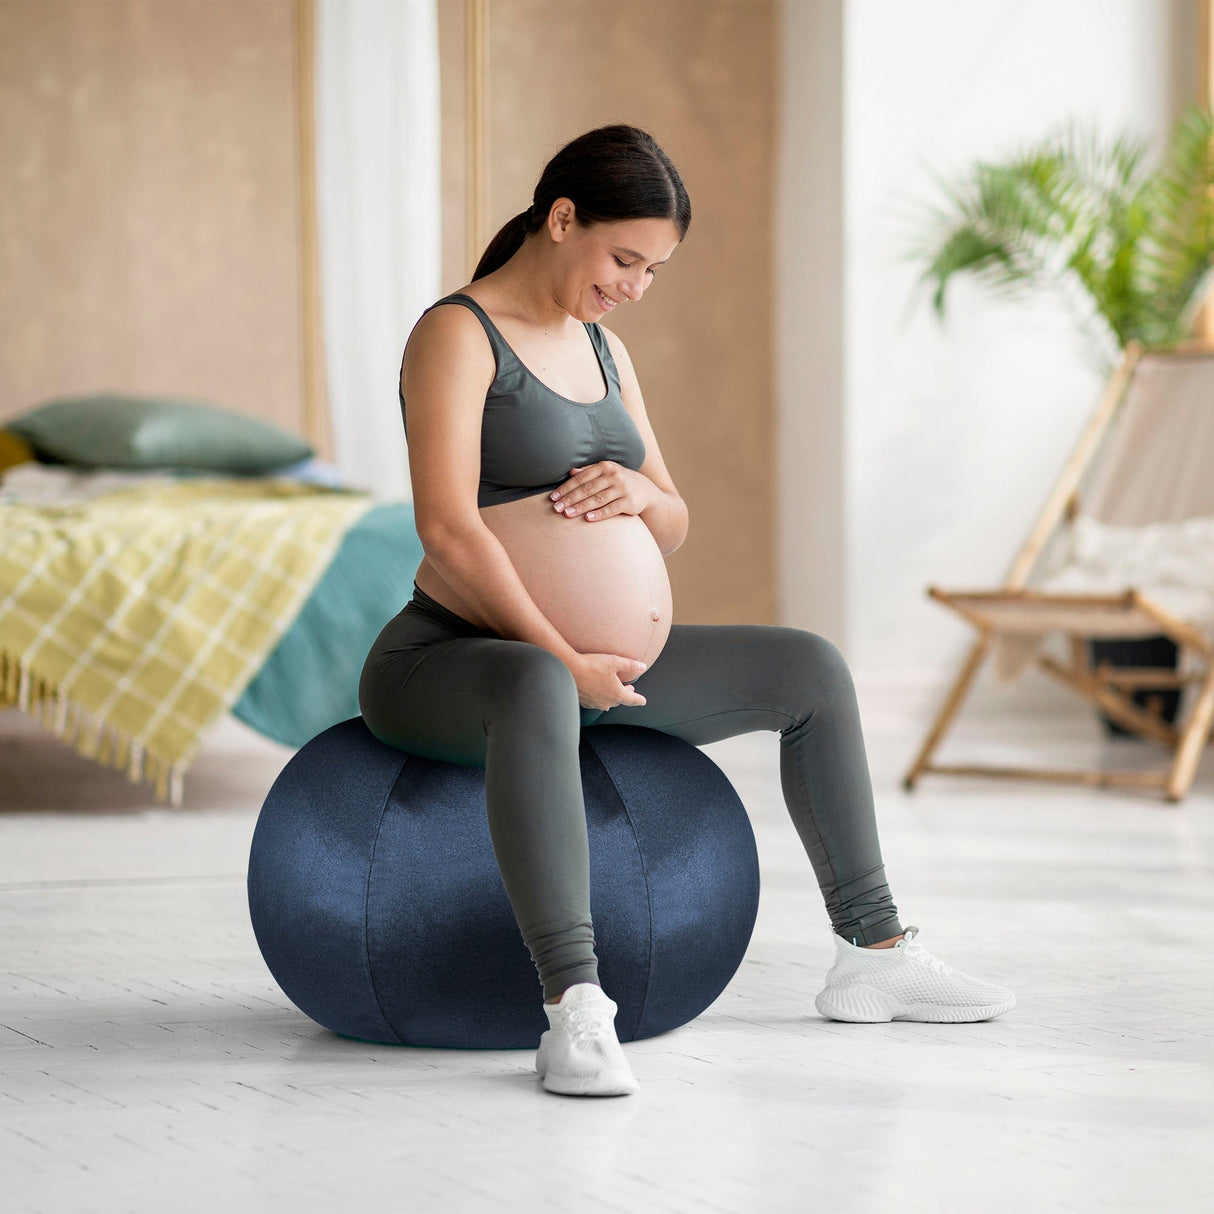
x,y
599,491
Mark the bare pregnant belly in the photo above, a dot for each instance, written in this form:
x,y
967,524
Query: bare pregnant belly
x,y
603,585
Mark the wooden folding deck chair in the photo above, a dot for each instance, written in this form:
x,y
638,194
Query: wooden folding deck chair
x,y
1146,455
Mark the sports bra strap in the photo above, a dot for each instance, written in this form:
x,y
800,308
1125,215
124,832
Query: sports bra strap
x,y
502,347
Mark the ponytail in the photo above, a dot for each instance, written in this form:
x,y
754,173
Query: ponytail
x,y
507,242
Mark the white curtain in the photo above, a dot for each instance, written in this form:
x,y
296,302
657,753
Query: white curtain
x,y
378,204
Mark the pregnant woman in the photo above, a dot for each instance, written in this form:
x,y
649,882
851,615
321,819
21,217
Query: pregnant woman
x,y
542,604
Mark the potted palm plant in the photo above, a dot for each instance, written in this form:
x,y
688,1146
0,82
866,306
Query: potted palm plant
x,y
1127,248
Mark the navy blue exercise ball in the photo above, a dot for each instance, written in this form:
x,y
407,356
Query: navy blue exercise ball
x,y
379,908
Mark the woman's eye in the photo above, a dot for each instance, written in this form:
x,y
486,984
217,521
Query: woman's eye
x,y
627,264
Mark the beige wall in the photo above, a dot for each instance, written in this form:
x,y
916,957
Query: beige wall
x,y
149,230
811,507
149,239
699,76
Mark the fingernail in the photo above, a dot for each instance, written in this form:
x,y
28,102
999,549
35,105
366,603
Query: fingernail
x,y
555,495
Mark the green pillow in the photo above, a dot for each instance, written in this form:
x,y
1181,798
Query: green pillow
x,y
111,431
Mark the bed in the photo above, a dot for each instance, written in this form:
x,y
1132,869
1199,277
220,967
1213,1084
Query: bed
x,y
137,606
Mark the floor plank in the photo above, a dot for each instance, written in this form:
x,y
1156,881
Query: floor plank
x,y
148,1061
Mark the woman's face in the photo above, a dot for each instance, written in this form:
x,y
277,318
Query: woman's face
x,y
609,264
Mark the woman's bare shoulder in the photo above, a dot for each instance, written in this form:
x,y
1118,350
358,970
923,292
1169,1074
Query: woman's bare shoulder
x,y
448,330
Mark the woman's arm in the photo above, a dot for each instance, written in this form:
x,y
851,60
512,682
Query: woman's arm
x,y
667,517
667,520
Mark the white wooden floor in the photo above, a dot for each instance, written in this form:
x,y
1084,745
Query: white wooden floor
x,y
148,1062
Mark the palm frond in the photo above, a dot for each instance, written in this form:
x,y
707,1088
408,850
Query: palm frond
x,y
1129,250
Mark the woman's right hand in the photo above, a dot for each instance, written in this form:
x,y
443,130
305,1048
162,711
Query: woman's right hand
x,y
599,684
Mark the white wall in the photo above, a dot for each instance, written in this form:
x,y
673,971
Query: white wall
x,y
950,436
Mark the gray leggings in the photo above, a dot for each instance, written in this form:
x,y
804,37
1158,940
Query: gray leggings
x,y
436,685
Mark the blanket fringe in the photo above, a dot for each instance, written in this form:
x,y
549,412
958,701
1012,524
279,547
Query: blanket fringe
x,y
88,733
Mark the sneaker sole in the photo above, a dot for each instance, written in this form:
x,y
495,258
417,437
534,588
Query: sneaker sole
x,y
606,1083
866,1005
589,1085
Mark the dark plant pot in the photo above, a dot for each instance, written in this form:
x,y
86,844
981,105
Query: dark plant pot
x,y
1158,651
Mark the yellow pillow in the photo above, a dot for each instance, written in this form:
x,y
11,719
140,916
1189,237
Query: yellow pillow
x,y
13,450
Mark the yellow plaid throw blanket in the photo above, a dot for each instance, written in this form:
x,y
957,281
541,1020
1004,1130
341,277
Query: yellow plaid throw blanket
x,y
130,622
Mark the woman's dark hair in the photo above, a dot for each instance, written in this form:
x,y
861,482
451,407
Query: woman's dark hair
x,y
610,173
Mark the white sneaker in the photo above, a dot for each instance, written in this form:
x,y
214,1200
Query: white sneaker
x,y
579,1054
870,985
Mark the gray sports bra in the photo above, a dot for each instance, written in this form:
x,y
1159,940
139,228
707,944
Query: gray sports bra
x,y
530,435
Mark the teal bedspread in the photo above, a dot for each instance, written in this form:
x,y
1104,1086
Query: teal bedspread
x,y
310,680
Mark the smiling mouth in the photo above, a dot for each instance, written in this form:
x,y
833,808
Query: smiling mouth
x,y
606,302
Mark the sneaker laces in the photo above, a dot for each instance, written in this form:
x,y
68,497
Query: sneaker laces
x,y
588,1020
918,955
